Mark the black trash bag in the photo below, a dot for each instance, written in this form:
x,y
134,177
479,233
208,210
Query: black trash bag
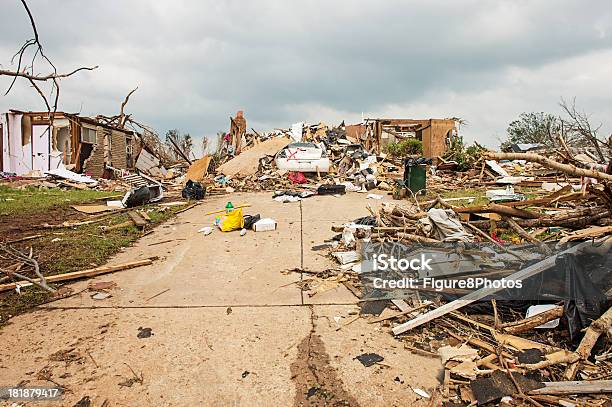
x,y
585,300
577,281
137,197
331,189
250,220
193,190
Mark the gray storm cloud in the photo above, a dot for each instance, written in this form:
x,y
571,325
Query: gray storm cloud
x,y
197,62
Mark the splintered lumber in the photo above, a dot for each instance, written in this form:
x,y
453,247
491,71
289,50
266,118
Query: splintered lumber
x,y
594,331
593,231
399,314
533,321
68,224
483,292
499,209
93,209
551,359
247,163
415,238
479,343
401,304
522,233
547,162
576,387
118,226
145,216
178,150
575,219
84,273
138,220
199,169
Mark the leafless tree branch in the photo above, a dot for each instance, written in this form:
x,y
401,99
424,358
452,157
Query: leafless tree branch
x,y
579,130
122,117
29,72
44,77
26,260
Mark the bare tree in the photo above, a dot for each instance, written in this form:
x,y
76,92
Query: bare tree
x,y
34,47
578,130
119,121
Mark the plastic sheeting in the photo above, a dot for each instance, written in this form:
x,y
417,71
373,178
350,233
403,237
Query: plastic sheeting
x,y
445,226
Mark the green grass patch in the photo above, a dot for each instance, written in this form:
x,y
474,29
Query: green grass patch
x,y
33,200
72,249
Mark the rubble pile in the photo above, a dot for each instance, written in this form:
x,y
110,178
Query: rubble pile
x,y
543,220
350,164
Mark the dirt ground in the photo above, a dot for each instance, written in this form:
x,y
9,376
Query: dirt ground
x,y
228,328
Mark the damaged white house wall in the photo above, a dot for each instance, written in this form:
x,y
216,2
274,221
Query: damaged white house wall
x,y
27,147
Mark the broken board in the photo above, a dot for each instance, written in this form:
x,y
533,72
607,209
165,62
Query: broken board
x,y
94,209
199,169
247,163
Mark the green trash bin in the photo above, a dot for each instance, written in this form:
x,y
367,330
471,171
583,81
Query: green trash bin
x,y
415,176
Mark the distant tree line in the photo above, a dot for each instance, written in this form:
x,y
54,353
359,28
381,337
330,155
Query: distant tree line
x,y
573,128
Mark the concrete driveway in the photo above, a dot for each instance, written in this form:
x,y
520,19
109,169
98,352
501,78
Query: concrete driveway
x,y
228,327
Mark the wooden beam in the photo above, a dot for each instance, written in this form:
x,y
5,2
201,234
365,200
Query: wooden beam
x,y
137,219
499,209
84,273
575,387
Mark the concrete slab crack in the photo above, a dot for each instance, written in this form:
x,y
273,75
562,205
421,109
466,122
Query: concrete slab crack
x,y
316,381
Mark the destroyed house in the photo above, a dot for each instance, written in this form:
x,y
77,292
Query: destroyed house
x,y
435,134
30,143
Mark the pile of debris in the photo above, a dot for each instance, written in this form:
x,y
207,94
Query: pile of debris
x,y
326,156
546,342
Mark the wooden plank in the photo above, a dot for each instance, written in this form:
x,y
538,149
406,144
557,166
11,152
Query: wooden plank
x,y
575,387
199,169
118,226
401,304
399,314
499,209
483,292
247,163
592,231
84,273
137,219
145,215
93,209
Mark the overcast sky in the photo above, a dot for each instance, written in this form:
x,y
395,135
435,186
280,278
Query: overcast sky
x,y
198,62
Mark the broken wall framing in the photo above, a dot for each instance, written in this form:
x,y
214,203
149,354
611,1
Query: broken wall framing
x,y
435,134
28,143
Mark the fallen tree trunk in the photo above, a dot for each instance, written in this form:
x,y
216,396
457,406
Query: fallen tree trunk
x,y
598,327
499,209
528,324
574,221
547,162
522,233
84,273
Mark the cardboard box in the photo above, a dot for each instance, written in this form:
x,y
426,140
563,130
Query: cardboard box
x,y
264,225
